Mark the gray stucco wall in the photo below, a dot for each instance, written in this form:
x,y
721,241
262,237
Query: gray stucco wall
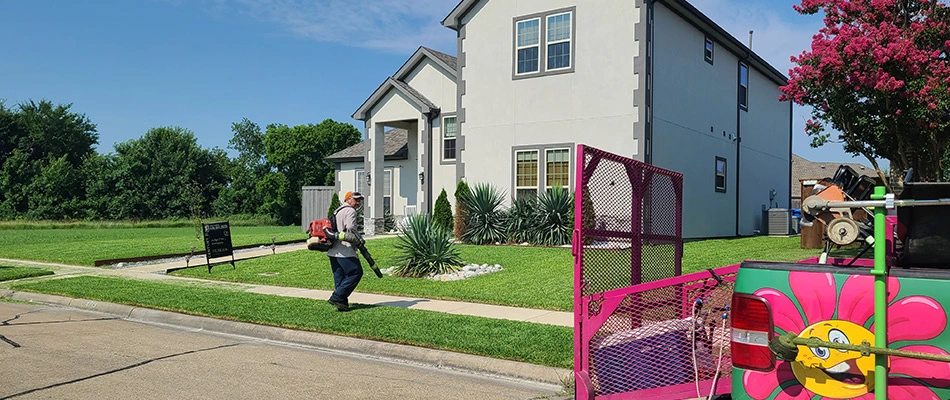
x,y
593,105
696,119
765,160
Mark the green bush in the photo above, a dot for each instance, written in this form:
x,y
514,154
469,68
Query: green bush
x,y
589,219
424,249
334,204
442,214
553,218
486,220
461,213
521,219
389,222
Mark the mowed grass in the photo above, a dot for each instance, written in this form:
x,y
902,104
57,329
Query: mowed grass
x,y
533,277
541,278
83,246
512,340
8,273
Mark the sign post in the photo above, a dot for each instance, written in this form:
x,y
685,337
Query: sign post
x,y
218,242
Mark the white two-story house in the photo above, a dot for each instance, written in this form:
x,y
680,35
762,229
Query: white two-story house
x,y
654,80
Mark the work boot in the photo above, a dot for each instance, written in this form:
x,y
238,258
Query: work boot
x,y
339,306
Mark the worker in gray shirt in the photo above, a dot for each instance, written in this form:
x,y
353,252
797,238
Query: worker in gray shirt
x,y
344,261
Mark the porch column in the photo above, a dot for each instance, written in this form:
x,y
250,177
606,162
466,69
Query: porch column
x,y
423,164
373,184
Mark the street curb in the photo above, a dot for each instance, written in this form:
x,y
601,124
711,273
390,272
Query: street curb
x,y
418,355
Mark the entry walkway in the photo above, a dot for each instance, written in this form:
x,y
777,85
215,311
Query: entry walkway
x,y
157,271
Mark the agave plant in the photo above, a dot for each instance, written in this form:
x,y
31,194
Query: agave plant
x,y
425,249
486,219
521,219
553,218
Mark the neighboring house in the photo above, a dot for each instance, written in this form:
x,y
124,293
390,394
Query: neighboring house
x,y
804,170
656,81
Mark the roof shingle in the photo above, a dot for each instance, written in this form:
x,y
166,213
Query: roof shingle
x,y
396,147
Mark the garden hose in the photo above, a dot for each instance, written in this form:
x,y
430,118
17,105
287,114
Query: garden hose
x,y
786,348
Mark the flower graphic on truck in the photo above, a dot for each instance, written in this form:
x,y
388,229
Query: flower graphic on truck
x,y
847,317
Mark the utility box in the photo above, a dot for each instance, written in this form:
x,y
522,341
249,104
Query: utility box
x,y
779,222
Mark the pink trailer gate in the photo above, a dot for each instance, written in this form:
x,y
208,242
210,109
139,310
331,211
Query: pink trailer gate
x,y
641,329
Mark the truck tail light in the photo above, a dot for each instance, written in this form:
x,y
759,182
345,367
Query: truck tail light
x,y
752,329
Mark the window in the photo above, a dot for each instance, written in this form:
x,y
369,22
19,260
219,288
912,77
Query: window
x,y
526,173
449,130
557,168
743,87
529,45
544,43
720,174
559,41
708,51
387,187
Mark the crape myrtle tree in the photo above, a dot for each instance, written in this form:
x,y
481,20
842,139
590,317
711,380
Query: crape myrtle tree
x,y
878,74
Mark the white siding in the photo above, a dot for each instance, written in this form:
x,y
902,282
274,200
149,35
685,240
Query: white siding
x,y
435,83
591,105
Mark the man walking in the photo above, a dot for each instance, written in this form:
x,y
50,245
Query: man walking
x,y
344,261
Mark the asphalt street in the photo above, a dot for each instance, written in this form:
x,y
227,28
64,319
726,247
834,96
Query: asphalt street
x,y
49,352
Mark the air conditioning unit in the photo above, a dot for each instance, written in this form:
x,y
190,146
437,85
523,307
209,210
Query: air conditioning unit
x,y
779,222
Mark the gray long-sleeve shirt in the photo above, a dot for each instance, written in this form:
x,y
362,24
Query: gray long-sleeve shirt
x,y
345,222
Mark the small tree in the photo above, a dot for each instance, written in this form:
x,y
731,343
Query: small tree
x,y
334,204
461,213
442,214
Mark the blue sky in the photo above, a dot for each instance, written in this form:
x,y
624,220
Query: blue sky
x,y
203,64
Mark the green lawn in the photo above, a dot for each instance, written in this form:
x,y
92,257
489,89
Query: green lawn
x,y
533,277
513,340
83,246
8,273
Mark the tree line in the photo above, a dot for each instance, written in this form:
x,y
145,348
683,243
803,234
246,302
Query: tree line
x,y
50,170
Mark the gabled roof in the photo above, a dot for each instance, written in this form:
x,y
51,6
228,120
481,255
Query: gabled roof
x,y
452,20
413,95
444,60
396,147
687,11
805,169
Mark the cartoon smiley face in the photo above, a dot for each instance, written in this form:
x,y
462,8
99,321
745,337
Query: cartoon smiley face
x,y
837,374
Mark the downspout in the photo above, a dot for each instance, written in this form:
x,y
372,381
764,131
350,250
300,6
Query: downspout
x,y
790,111
742,61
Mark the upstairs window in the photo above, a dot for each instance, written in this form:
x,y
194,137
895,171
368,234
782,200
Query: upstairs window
x,y
529,45
449,130
708,51
559,41
744,87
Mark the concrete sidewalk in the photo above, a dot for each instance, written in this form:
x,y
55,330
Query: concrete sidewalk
x,y
158,272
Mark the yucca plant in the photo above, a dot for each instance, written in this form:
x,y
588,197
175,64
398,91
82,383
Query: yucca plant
x,y
425,249
553,218
521,219
486,220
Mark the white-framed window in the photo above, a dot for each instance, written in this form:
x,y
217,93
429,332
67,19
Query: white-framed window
x,y
559,41
744,87
387,187
528,46
557,168
526,173
708,48
721,175
449,131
